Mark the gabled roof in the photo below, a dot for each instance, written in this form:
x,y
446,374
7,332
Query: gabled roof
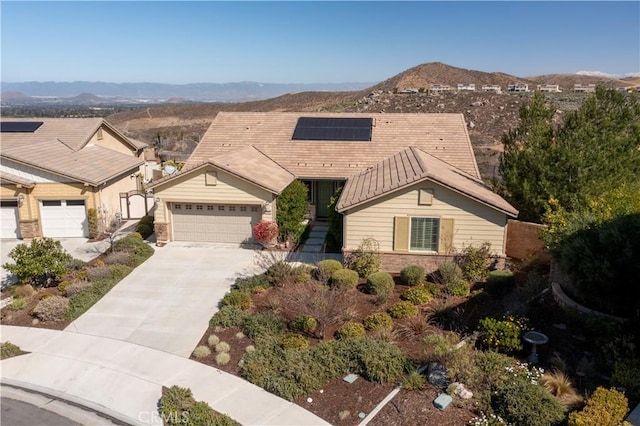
x,y
443,135
411,166
16,180
60,146
247,163
73,132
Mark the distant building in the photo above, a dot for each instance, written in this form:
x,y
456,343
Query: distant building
x,y
549,88
492,88
408,90
584,88
518,87
471,87
440,88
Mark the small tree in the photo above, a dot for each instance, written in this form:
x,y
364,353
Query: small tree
x,y
292,205
334,233
94,225
41,263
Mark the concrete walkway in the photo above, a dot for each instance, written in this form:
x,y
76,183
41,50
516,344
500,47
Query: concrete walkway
x,y
124,380
312,250
166,302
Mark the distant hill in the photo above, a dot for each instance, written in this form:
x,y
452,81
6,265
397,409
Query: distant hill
x,y
567,81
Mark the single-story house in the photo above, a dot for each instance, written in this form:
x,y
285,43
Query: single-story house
x,y
410,181
53,170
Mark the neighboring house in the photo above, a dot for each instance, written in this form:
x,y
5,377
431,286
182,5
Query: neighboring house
x,y
549,88
470,87
440,88
52,170
584,88
518,87
420,167
495,88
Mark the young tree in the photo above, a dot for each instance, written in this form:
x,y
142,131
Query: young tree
x,y
292,204
40,263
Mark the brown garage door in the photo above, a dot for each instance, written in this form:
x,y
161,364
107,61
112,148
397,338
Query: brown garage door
x,y
219,223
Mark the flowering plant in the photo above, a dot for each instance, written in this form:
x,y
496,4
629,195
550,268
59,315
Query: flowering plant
x,y
265,232
503,333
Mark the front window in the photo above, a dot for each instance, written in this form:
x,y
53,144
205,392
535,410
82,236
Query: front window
x,y
425,234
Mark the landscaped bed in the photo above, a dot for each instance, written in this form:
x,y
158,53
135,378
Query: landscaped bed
x,y
298,332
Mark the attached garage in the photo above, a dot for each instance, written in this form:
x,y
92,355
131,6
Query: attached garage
x,y
9,219
220,223
64,218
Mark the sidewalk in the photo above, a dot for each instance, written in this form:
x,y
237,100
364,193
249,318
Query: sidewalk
x,y
124,380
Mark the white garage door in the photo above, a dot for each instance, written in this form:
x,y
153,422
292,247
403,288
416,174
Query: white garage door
x,y
214,222
64,218
9,219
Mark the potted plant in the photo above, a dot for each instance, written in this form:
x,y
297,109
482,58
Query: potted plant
x,y
266,232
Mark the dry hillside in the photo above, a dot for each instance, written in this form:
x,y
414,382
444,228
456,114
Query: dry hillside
x,y
567,81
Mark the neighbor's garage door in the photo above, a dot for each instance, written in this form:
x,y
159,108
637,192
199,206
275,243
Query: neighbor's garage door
x,y
64,218
214,222
9,219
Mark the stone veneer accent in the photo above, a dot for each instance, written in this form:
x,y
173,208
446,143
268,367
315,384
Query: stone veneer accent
x,y
394,262
163,233
30,229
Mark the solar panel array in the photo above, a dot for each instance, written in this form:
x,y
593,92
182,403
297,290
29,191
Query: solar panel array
x,y
333,129
19,126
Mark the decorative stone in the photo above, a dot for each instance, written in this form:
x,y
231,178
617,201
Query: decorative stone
x,y
309,400
461,391
362,415
442,401
350,378
437,375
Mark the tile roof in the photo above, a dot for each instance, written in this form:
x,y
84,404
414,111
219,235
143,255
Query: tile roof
x,y
248,163
18,180
443,135
408,167
60,146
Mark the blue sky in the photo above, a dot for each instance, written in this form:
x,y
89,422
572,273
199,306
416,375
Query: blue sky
x,y
310,42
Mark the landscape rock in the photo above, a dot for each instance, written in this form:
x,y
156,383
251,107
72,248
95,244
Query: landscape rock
x,y
437,375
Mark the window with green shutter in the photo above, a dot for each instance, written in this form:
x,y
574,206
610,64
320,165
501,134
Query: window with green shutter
x,y
425,234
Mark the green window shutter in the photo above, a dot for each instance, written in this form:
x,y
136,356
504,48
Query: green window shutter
x,y
446,236
401,233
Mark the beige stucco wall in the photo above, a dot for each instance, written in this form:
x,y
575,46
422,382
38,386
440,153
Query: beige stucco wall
x,y
192,188
109,200
111,141
474,223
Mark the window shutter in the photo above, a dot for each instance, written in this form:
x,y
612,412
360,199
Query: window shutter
x,y
446,236
401,233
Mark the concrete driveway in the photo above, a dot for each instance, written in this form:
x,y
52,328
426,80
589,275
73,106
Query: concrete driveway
x,y
166,302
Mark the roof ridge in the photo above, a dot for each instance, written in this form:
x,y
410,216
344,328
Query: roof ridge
x,y
460,171
274,161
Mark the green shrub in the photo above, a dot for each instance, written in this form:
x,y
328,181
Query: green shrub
x,y
626,374
418,295
251,284
412,275
145,227
201,414
25,290
375,360
302,273
228,316
118,272
335,229
500,282
474,261
292,208
502,334
174,402
8,349
351,330
379,283
294,341
278,273
92,221
201,352
606,407
136,247
414,381
303,324
527,404
80,302
40,263
365,260
326,268
263,325
458,288
344,279
52,308
378,321
403,309
236,298
18,304
450,272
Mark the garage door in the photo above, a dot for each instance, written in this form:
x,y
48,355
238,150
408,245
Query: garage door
x,y
214,222
64,218
9,219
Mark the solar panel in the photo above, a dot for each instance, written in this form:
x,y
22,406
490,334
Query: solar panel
x,y
333,129
19,126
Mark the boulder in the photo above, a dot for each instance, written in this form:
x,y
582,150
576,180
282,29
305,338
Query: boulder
x,y
437,375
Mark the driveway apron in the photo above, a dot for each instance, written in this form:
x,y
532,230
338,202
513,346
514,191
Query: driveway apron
x,y
166,302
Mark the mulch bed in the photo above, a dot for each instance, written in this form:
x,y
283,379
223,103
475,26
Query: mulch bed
x,y
24,318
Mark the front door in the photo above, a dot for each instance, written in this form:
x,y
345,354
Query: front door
x,y
325,191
